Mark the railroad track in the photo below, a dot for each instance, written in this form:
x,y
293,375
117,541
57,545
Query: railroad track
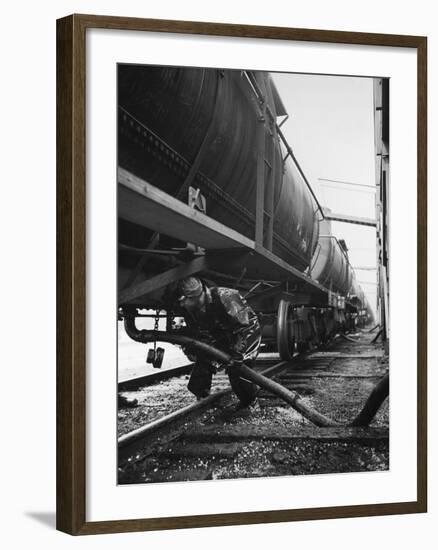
x,y
129,442
133,384
211,439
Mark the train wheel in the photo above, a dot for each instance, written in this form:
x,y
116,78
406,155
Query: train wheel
x,y
285,334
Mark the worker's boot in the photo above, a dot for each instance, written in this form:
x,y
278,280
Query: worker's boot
x,y
200,380
126,403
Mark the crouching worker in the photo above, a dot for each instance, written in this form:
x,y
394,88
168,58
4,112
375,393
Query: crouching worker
x,y
222,318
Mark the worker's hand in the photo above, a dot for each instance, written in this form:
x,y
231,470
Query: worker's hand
x,y
237,361
215,366
190,353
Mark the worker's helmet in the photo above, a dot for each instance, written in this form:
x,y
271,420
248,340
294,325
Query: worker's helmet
x,y
189,287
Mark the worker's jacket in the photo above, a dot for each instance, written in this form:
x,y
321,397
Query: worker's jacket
x,y
228,323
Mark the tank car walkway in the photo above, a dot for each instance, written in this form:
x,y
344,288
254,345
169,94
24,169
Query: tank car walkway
x,y
148,206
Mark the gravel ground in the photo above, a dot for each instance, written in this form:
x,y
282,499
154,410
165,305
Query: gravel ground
x,y
338,398
160,399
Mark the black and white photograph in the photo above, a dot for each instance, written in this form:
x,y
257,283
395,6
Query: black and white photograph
x,y
218,217
253,274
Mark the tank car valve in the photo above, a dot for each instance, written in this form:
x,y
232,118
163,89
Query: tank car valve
x,y
159,355
150,356
155,357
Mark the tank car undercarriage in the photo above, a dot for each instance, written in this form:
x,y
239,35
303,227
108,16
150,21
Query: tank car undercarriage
x,y
296,313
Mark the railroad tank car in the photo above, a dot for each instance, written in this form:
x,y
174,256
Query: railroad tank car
x,y
331,267
357,294
330,264
172,118
185,128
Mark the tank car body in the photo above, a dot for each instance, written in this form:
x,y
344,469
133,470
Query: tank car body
x,y
207,118
331,267
330,263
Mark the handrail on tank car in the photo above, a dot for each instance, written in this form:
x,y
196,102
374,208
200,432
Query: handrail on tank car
x,y
262,101
340,246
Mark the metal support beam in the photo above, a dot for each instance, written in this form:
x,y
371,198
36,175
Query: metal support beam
x,y
148,206
271,186
145,205
260,183
351,219
162,280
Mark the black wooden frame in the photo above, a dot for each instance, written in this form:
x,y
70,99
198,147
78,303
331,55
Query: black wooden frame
x,y
71,233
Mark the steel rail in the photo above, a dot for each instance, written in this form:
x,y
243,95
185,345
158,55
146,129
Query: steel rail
x,y
155,425
131,384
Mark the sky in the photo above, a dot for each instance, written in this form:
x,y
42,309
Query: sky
x,y
331,131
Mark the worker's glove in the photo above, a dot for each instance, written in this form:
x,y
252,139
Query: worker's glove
x,y
215,366
190,353
237,360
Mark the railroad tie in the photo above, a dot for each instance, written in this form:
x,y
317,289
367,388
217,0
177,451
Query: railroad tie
x,y
221,434
201,449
